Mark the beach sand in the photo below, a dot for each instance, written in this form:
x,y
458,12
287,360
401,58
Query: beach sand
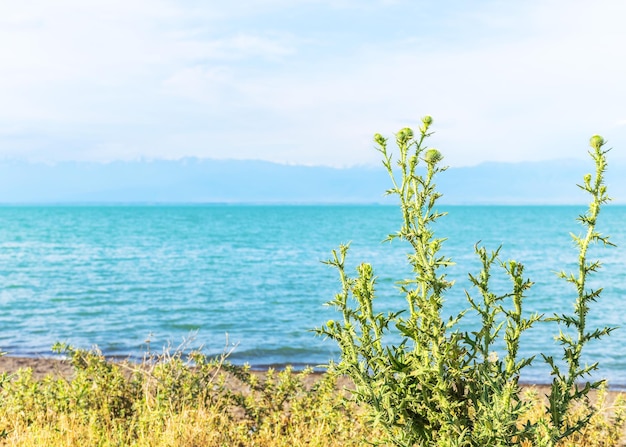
x,y
41,366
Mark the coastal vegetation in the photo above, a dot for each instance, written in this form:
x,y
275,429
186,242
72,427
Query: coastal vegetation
x,y
185,399
180,398
442,385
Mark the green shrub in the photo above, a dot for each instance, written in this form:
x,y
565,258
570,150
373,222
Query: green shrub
x,y
441,386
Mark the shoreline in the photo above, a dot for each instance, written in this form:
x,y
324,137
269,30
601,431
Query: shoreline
x,y
60,366
41,366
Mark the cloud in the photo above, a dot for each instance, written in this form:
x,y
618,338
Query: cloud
x,y
536,94
309,81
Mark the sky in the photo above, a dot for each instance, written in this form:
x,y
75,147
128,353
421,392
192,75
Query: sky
x,y
309,81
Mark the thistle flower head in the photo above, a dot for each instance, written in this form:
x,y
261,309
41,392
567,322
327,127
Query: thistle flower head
x,y
426,122
432,156
404,135
596,142
379,139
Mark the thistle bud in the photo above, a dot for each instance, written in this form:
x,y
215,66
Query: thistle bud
x,y
596,142
587,179
426,122
379,139
432,156
404,135
365,270
330,324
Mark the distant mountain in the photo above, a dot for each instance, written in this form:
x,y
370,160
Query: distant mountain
x,y
194,180
547,182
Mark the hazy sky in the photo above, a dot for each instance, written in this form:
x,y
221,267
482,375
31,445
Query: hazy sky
x,y
309,81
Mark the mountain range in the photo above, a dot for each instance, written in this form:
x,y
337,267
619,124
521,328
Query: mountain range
x,y
193,180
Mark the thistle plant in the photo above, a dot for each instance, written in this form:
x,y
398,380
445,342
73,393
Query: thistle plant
x,y
565,387
441,386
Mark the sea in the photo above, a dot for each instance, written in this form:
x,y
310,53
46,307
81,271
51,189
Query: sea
x,y
249,280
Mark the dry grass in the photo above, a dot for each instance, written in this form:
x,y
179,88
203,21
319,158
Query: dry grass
x,y
177,400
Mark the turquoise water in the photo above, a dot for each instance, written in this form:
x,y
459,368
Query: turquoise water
x,y
251,276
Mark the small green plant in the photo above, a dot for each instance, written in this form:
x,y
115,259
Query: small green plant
x,y
441,386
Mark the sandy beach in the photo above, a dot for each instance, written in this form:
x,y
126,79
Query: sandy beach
x,y
41,366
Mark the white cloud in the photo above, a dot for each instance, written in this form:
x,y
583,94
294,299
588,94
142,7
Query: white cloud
x,y
539,95
307,81
199,84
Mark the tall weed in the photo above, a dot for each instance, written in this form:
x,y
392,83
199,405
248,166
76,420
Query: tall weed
x,y
442,386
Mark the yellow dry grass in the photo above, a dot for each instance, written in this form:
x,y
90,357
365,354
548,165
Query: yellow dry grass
x,y
170,402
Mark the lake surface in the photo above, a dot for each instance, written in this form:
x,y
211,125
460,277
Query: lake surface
x,y
252,276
